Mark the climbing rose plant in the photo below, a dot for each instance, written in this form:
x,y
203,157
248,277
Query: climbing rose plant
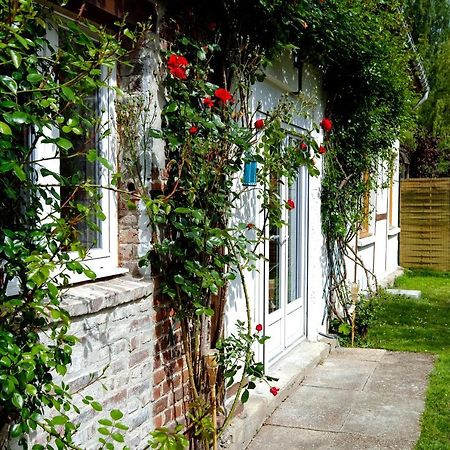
x,y
199,247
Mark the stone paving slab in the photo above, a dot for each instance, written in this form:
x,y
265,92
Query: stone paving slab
x,y
384,414
357,399
348,374
314,408
275,437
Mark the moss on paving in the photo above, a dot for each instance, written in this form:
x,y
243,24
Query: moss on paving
x,y
422,326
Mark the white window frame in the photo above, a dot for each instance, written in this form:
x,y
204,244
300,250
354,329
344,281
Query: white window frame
x,y
104,259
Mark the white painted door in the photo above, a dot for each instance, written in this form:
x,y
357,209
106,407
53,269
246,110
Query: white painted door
x,y
285,299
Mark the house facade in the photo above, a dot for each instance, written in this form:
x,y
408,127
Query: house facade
x,y
129,342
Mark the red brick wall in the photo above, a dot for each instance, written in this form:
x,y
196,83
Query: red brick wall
x,y
170,378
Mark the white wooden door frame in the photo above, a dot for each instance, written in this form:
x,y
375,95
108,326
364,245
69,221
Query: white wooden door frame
x,y
281,322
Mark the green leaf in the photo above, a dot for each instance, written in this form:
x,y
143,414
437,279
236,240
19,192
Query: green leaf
x,y
9,83
23,42
178,279
171,107
157,134
34,78
16,58
17,117
30,389
105,422
19,172
16,430
64,143
182,210
117,437
97,406
245,395
5,129
201,54
59,420
17,400
128,33
116,414
68,93
90,274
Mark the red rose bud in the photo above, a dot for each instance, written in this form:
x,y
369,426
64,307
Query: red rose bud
x,y
303,146
326,124
290,204
274,390
208,102
250,226
223,95
322,150
259,124
259,327
193,130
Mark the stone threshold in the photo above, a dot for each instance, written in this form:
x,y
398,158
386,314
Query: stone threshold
x,y
290,370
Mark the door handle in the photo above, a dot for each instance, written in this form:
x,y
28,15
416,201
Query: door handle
x,y
276,238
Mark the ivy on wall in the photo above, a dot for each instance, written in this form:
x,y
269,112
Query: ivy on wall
x,y
361,48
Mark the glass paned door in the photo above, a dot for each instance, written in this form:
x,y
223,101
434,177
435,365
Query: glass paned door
x,y
286,272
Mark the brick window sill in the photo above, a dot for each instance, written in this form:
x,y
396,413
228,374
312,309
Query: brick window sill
x,y
91,297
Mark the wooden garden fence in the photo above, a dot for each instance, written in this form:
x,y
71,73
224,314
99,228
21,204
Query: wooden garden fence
x,y
425,223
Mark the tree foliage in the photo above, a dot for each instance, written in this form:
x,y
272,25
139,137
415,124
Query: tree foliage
x,y
429,149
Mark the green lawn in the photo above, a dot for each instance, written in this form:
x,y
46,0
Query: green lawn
x,y
422,326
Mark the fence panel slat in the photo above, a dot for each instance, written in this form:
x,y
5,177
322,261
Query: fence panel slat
x,y
425,223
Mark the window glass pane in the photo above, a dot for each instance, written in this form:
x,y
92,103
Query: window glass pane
x,y
274,259
274,270
294,243
79,202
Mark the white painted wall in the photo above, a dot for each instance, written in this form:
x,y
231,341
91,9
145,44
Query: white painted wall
x,y
379,250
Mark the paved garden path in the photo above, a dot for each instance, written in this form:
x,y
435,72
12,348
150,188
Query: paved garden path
x,y
357,399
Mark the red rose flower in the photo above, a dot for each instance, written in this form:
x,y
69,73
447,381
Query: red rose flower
x,y
326,124
178,72
303,146
223,95
322,149
177,66
259,327
250,226
208,102
259,124
274,390
290,204
212,26
175,61
193,130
